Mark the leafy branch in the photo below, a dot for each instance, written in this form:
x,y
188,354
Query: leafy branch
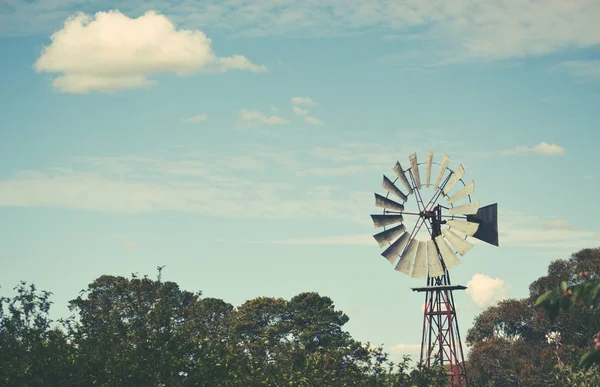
x,y
587,293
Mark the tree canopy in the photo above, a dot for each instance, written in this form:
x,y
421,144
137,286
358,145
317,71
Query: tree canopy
x,y
143,332
519,343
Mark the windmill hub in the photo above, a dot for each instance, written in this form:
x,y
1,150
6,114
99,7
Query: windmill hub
x,y
432,259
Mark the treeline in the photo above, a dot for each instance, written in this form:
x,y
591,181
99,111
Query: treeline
x,y
144,332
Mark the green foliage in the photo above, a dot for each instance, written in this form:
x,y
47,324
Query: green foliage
x,y
579,290
566,298
31,352
515,342
141,332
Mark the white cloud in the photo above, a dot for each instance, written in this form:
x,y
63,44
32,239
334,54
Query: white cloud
x,y
258,117
130,245
557,224
303,101
196,118
110,51
405,348
343,170
299,111
471,29
586,69
486,291
542,148
245,162
359,239
134,185
313,121
518,229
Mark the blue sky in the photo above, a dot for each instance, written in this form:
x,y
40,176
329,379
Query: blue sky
x,y
243,152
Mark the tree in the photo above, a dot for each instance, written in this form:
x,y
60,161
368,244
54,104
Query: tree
x,y
131,332
578,295
517,343
31,352
138,331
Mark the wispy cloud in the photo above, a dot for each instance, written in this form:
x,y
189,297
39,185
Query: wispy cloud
x,y
519,229
245,162
196,118
557,224
486,291
542,148
303,101
130,245
299,111
585,69
106,62
258,117
133,185
359,239
313,121
493,29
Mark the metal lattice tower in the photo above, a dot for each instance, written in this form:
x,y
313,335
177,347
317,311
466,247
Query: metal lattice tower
x,y
433,258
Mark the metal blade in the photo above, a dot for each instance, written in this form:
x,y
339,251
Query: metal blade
x,y
464,191
428,163
450,259
383,202
443,166
467,228
420,266
414,166
465,209
392,252
433,261
456,176
388,235
389,186
487,217
406,259
386,220
400,173
461,245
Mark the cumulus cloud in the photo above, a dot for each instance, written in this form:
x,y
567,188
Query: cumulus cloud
x,y
196,118
258,117
303,101
542,148
486,291
110,51
299,111
313,121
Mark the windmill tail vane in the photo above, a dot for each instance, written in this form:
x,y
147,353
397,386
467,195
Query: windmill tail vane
x,y
450,228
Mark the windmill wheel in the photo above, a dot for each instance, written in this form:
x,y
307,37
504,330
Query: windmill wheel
x,y
448,226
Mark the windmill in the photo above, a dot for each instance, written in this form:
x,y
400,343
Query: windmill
x,y
449,228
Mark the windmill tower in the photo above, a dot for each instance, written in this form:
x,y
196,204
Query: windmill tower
x,y
449,229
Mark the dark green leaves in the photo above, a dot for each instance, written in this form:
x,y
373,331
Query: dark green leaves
x,y
140,332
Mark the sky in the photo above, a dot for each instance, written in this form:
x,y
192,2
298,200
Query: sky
x,y
240,143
